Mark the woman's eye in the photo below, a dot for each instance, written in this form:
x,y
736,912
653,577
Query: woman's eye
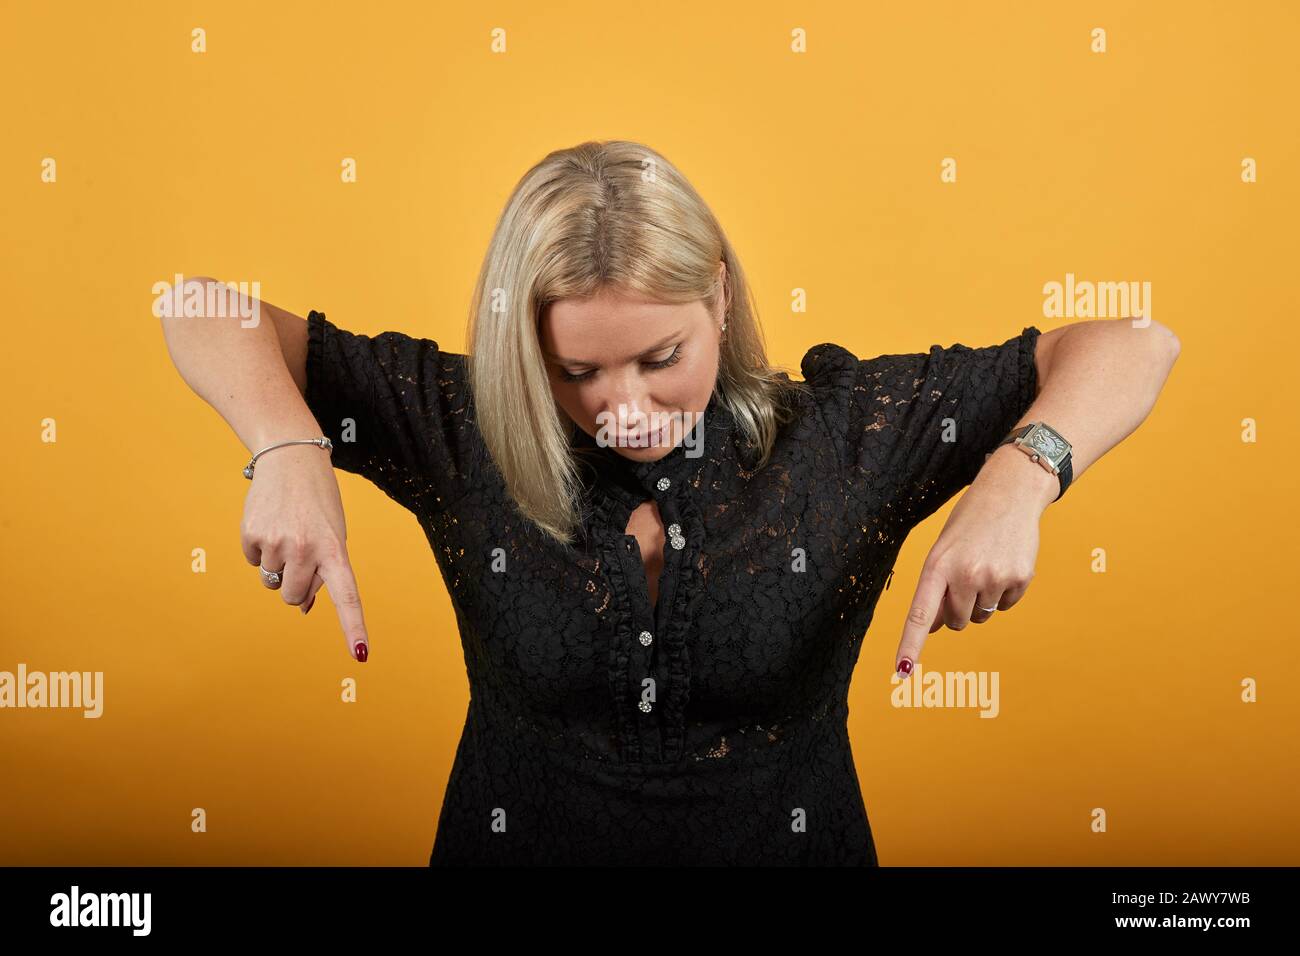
x,y
671,360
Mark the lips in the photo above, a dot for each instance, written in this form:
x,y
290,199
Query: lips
x,y
649,439
645,439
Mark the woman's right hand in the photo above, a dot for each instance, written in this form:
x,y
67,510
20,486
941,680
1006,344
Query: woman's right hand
x,y
293,523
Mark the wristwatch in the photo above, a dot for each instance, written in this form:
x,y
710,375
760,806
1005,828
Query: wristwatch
x,y
1045,445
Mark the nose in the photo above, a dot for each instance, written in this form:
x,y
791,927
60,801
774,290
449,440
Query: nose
x,y
629,405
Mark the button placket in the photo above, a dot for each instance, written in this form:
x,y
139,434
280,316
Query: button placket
x,y
649,651
672,668
664,492
641,653
662,615
656,613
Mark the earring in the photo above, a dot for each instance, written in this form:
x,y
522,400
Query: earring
x,y
724,325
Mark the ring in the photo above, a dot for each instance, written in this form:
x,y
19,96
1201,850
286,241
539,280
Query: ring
x,y
270,578
988,610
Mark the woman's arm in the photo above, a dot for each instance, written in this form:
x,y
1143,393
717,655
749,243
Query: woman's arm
x,y
254,373
254,376
1098,381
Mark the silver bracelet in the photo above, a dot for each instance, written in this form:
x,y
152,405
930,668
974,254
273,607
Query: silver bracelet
x,y
323,442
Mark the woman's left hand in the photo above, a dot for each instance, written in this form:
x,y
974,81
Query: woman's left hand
x,y
985,555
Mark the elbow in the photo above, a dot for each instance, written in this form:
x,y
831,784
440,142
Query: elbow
x,y
1168,340
194,284
166,294
1175,346
167,304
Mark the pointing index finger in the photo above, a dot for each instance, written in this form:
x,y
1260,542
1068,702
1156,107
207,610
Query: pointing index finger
x,y
920,616
342,586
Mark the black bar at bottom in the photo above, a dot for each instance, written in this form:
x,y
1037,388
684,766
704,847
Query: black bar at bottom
x,y
330,905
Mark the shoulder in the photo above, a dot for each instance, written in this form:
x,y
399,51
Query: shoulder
x,y
837,374
827,363
392,353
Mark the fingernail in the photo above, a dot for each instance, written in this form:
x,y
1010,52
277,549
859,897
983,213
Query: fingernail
x,y
362,651
905,666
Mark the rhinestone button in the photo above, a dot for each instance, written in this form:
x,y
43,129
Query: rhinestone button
x,y
674,530
678,542
646,638
663,484
644,706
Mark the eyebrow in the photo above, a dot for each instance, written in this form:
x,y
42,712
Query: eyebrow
x,y
661,344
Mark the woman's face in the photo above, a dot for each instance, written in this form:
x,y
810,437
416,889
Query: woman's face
x,y
632,373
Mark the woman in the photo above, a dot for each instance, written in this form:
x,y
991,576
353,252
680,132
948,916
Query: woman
x,y
663,553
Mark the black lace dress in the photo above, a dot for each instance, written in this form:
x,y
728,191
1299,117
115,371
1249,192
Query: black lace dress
x,y
711,728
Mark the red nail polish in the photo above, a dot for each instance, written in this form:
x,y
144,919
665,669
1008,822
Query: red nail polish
x,y
905,666
362,651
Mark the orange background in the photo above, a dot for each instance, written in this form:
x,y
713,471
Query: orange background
x,y
1119,690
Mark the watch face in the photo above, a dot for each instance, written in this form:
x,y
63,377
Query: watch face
x,y
1049,444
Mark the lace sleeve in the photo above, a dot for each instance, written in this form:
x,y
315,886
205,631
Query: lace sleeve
x,y
918,425
394,407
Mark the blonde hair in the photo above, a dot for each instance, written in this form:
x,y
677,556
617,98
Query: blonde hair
x,y
601,214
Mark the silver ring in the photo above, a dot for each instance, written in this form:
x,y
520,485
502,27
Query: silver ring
x,y
270,578
988,610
